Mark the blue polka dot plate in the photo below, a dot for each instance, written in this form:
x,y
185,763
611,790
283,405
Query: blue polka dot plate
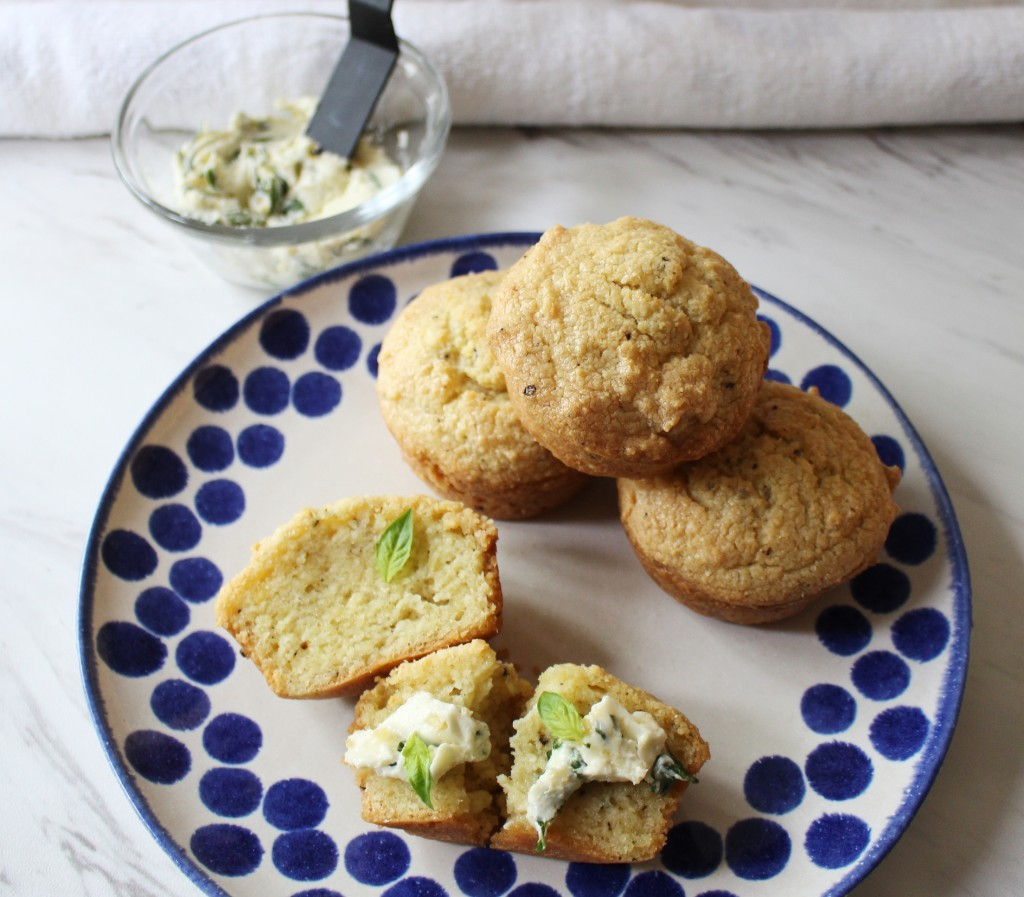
x,y
826,731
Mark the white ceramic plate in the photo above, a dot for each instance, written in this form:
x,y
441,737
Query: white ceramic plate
x,y
826,730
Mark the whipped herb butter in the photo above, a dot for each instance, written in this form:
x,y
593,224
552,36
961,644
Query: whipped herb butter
x,y
609,744
265,172
451,735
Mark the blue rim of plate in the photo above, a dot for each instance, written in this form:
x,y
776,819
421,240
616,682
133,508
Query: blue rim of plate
x,y
953,687
951,692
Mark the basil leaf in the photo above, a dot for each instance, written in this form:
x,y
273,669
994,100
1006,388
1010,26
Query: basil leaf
x,y
667,770
561,718
542,841
394,546
416,757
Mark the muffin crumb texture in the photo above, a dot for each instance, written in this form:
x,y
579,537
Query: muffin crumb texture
x,y
627,348
443,398
602,822
467,802
317,618
798,503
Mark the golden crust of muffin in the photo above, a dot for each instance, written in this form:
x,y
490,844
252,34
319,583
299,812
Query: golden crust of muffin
x,y
444,400
467,802
626,348
798,503
601,822
313,614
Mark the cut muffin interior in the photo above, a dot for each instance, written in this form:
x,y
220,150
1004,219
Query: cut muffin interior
x,y
590,820
460,702
318,618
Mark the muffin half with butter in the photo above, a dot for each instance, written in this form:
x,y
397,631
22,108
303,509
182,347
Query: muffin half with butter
x,y
599,768
430,740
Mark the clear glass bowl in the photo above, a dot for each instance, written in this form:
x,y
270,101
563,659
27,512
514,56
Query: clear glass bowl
x,y
245,66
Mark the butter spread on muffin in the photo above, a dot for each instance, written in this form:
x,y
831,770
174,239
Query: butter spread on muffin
x,y
618,811
452,793
609,744
450,736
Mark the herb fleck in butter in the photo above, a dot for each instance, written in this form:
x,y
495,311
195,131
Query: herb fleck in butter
x,y
265,172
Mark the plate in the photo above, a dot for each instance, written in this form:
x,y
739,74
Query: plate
x,y
826,730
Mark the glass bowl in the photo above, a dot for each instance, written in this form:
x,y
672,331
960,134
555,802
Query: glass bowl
x,y
245,66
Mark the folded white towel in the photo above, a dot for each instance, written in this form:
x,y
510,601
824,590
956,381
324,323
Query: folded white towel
x,y
66,64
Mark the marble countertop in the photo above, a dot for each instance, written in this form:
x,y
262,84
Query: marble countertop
x,y
904,243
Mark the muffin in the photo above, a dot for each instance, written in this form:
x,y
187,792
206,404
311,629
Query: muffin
x,y
319,617
596,821
444,400
465,682
626,348
798,503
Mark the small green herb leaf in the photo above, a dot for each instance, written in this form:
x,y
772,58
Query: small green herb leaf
x,y
416,757
667,770
576,762
562,719
542,842
394,546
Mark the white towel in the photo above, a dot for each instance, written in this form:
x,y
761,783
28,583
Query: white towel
x,y
65,65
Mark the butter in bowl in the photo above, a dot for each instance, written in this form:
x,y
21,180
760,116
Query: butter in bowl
x,y
211,138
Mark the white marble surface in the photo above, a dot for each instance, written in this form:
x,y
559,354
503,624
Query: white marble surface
x,y
905,244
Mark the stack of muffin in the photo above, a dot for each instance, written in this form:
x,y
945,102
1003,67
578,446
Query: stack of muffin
x,y
621,350
624,350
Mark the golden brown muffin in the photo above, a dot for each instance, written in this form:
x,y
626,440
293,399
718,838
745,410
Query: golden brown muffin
x,y
443,398
626,348
798,503
313,612
602,822
467,803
